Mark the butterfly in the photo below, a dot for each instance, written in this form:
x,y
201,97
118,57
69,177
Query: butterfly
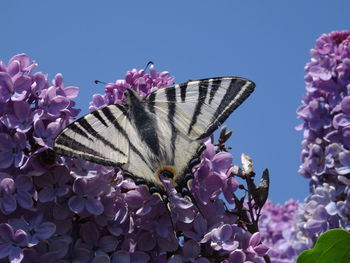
x,y
158,134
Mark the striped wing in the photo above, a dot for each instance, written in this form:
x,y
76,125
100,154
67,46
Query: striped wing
x,y
98,137
197,108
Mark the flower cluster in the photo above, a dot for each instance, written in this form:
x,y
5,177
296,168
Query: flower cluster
x,y
325,112
276,227
32,112
55,209
137,80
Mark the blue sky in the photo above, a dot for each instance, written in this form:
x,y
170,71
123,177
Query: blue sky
x,y
265,41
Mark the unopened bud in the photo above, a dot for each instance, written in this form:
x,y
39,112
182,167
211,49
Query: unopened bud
x,y
247,164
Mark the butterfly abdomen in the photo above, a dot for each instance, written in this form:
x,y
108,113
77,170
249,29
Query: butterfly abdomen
x,y
143,121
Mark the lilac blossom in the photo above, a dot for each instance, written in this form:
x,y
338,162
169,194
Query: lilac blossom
x,y
15,90
276,228
7,199
221,238
92,246
24,186
86,196
22,118
325,112
23,156
11,149
138,80
53,184
44,136
11,242
35,229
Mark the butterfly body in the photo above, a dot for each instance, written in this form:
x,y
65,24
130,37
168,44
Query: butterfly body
x,y
157,134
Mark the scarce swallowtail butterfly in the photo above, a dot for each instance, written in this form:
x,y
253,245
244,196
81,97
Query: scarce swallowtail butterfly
x,y
157,134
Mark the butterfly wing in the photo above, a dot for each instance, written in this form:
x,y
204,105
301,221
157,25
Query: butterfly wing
x,y
193,111
197,108
98,137
109,137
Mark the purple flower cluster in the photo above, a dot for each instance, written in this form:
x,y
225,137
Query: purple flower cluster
x,y
137,80
32,112
276,227
55,209
325,112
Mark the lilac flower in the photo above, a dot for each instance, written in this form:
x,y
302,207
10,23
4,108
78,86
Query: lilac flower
x,y
198,229
141,201
181,209
209,184
39,84
24,185
126,257
35,229
23,117
255,249
44,136
53,184
20,64
52,103
190,253
11,149
275,225
11,243
212,175
140,81
316,113
7,199
92,246
221,238
15,91
86,196
325,112
46,252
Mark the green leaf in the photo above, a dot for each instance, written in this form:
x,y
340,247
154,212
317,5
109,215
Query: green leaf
x,y
332,246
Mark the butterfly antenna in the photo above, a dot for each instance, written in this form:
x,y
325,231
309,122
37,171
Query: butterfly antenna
x,y
148,64
99,81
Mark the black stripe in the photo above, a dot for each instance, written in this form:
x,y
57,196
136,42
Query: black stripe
x,y
99,117
90,158
150,102
86,125
122,109
231,92
107,112
214,88
202,93
76,129
171,96
221,114
183,88
73,144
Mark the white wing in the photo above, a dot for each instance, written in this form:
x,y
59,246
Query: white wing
x,y
98,137
198,107
192,111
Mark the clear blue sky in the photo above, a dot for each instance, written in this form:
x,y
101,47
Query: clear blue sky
x,y
265,41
